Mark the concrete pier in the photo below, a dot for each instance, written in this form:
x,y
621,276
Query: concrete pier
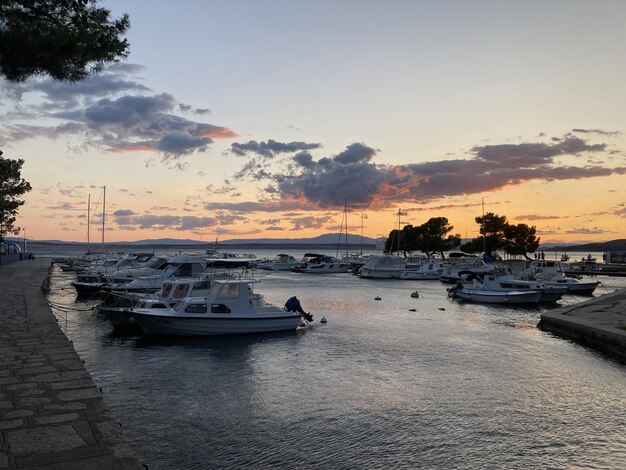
x,y
52,416
599,323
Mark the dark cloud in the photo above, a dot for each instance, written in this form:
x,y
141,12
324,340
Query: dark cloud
x,y
586,231
128,220
355,153
270,148
620,210
304,159
263,206
119,78
532,217
114,113
596,131
123,212
65,206
191,222
352,175
531,154
309,222
269,222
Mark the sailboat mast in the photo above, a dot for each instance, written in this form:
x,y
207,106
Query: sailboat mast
x,y
361,235
88,220
104,204
345,211
484,232
399,211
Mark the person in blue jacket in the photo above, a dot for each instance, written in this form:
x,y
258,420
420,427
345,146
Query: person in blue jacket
x,y
293,305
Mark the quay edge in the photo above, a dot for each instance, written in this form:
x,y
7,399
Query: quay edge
x,y
52,415
598,323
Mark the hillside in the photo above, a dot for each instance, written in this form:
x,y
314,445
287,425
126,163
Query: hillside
x,y
613,245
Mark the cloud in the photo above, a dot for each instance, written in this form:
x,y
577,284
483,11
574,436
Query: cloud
x,y
532,217
65,206
123,212
597,131
128,220
620,210
261,206
191,222
270,148
113,113
353,176
309,222
586,231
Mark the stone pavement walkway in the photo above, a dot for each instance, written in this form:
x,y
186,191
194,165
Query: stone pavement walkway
x,y
599,323
52,416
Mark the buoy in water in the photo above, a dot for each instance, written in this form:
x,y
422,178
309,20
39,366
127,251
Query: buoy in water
x,y
323,320
441,308
376,298
412,310
415,294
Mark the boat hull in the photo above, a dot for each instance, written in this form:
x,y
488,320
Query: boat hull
x,y
496,297
334,268
210,326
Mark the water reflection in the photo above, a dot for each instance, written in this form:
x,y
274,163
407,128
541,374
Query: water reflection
x,y
448,385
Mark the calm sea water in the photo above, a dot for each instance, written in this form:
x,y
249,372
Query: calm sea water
x,y
399,382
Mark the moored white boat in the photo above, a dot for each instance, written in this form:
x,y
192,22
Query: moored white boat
x,y
500,280
422,269
226,310
454,266
313,263
480,295
282,262
552,273
116,306
397,267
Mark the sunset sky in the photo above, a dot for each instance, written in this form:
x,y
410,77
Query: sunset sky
x,y
258,119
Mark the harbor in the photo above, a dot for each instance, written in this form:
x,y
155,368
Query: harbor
x,y
51,413
599,323
401,381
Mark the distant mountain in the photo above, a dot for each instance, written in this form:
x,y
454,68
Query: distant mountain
x,y
326,239
613,245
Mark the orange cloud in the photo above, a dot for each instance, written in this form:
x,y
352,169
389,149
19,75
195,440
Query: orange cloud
x,y
219,133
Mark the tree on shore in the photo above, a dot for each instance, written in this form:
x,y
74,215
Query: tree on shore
x,y
431,237
496,233
12,186
65,39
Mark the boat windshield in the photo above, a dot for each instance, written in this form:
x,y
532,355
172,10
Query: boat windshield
x,y
155,263
200,286
165,290
181,291
224,291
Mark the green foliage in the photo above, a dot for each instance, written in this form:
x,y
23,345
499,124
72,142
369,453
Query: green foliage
x,y
429,238
66,39
521,239
12,185
498,234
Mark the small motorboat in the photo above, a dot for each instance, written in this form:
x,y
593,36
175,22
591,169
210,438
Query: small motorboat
x,y
313,263
574,286
479,294
116,307
282,262
227,309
